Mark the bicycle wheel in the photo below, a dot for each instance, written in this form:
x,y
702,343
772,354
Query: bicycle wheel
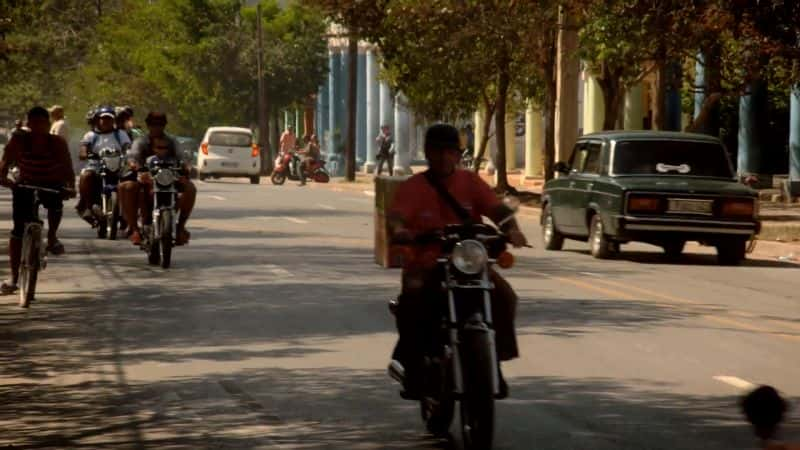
x,y
29,264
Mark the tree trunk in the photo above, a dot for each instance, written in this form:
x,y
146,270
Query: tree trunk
x,y
660,96
710,104
352,86
503,81
550,114
487,127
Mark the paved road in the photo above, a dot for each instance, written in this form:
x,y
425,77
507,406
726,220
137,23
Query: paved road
x,y
271,332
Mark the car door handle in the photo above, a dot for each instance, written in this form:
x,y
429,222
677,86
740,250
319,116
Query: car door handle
x,y
589,186
571,184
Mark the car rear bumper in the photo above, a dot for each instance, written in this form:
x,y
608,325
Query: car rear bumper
x,y
229,168
637,228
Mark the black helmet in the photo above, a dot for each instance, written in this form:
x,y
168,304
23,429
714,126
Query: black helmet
x,y
442,136
156,118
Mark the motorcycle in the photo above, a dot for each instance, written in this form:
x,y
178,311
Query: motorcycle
x,y
158,238
288,165
110,163
461,364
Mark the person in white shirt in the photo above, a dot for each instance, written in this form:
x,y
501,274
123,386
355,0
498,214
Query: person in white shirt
x,y
59,125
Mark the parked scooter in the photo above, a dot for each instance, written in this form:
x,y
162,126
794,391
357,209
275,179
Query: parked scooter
x,y
288,165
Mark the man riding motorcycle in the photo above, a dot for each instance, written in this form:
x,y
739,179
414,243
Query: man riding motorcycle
x,y
43,160
106,136
417,210
129,190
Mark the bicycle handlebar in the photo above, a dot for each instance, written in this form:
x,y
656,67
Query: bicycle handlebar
x,y
40,188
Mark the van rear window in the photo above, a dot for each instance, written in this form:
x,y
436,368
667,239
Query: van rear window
x,y
230,139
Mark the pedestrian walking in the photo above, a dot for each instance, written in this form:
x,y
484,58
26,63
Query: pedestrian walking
x,y
385,142
59,125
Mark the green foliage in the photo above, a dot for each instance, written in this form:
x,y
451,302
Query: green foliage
x,y
193,59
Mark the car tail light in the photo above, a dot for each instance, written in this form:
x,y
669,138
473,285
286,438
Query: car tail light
x,y
644,204
255,151
204,148
738,208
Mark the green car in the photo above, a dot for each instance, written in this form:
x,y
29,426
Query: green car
x,y
663,188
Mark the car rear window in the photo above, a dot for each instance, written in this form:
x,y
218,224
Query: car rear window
x,y
230,139
677,158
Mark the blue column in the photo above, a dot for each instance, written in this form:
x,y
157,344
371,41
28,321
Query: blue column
x,y
333,101
373,110
361,108
794,140
672,121
288,118
749,158
344,73
402,158
323,113
699,84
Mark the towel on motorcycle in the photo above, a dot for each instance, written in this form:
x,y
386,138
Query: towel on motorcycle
x,y
422,305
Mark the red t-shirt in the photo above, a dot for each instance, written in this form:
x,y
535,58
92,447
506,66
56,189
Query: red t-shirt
x,y
43,159
421,209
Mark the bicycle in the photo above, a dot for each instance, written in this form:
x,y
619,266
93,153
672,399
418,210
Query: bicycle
x,y
34,249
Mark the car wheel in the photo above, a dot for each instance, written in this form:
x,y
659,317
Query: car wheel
x,y
255,179
674,249
202,176
552,239
601,247
731,252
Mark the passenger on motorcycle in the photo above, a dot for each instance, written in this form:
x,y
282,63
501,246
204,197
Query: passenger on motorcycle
x,y
125,122
418,209
311,155
156,142
106,136
43,160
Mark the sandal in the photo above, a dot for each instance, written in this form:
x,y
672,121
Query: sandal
x,y
56,248
8,288
182,237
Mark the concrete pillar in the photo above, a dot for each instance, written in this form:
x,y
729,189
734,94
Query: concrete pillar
x,y
401,121
634,109
750,140
288,119
361,108
344,76
412,137
299,129
387,109
699,84
794,141
568,68
534,142
334,95
593,107
511,140
373,110
479,119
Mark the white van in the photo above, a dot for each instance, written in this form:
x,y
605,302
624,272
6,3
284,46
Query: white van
x,y
229,152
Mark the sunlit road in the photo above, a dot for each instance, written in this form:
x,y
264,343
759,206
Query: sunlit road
x,y
272,332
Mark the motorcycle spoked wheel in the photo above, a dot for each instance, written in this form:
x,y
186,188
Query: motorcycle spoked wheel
x,y
167,241
437,406
321,176
153,250
477,403
278,178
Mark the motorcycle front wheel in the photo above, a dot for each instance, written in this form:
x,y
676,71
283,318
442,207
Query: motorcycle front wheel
x,y
477,403
278,178
321,176
166,239
154,252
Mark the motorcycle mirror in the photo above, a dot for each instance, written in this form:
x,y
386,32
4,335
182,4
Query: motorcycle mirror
x,y
512,202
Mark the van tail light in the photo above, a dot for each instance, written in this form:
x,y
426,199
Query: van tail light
x,y
742,208
256,151
505,260
643,204
204,148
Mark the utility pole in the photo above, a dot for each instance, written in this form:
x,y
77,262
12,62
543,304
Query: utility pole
x,y
263,117
350,146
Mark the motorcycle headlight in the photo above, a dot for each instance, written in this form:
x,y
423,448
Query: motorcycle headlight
x,y
469,257
165,177
112,163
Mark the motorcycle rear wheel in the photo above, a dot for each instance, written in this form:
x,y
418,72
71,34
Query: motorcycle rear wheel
x,y
154,252
278,178
477,403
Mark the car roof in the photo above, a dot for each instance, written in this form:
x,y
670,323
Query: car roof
x,y
619,135
229,130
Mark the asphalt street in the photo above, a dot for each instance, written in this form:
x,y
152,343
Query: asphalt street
x,y
271,332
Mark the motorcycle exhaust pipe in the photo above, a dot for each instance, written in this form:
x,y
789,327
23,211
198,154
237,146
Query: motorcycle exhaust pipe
x,y
397,372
